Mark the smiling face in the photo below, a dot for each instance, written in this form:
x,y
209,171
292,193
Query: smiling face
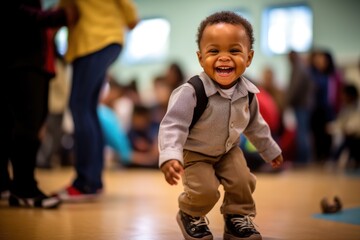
x,y
224,53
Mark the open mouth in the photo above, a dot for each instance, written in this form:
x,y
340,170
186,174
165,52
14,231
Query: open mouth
x,y
224,70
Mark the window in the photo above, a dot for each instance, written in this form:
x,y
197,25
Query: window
x,y
287,28
147,42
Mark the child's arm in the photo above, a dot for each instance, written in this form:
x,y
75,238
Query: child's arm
x,y
259,134
275,163
172,170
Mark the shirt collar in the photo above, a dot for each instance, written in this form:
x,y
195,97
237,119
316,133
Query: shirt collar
x,y
243,87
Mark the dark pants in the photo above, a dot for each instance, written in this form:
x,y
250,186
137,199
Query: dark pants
x,y
24,100
302,139
322,139
89,73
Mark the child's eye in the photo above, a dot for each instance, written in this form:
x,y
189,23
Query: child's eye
x,y
235,50
213,51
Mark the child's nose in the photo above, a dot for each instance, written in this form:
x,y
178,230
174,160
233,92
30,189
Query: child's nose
x,y
224,58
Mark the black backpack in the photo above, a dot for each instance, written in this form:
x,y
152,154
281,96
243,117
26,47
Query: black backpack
x,y
202,99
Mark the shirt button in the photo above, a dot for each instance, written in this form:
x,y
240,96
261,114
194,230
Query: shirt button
x,y
232,125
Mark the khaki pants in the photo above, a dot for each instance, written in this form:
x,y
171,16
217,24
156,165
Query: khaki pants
x,y
202,177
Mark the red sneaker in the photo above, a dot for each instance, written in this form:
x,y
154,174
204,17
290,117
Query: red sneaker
x,y
72,194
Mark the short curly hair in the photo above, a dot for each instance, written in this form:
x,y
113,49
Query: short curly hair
x,y
226,17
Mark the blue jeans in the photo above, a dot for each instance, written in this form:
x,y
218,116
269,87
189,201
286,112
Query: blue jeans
x,y
89,74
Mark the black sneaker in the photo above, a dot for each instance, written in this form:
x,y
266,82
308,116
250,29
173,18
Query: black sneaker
x,y
4,195
238,227
40,201
193,228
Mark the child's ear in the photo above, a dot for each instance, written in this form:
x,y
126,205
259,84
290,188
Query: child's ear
x,y
198,53
250,57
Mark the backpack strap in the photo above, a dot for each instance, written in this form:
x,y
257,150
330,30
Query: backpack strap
x,y
201,99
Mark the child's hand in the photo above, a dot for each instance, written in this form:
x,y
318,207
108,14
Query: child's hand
x,y
172,170
276,163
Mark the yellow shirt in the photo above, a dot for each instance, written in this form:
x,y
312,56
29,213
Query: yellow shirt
x,y
101,22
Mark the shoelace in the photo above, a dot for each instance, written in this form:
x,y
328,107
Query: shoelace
x,y
244,222
199,221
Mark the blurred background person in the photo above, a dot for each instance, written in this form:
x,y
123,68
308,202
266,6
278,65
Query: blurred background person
x,y
299,100
139,120
51,149
269,84
162,92
285,131
115,134
94,44
121,98
135,145
327,83
346,127
28,69
174,75
143,138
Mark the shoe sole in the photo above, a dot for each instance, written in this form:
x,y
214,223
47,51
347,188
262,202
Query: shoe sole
x,y
75,199
65,197
228,236
52,203
185,234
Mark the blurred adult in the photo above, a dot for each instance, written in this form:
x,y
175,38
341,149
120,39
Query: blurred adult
x,y
94,43
28,67
327,81
299,99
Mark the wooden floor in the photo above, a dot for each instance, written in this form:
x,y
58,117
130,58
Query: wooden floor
x,y
139,205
